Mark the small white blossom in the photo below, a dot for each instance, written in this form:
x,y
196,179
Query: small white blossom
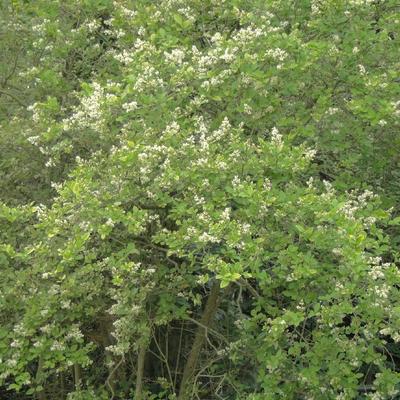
x,y
176,56
130,106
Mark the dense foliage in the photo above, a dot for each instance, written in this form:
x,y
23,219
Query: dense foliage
x,y
199,199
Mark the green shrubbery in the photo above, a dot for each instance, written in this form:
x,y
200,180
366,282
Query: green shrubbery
x,y
199,200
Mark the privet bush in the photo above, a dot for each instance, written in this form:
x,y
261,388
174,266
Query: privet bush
x,y
213,218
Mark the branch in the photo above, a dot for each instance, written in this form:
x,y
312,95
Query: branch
x,y
251,289
15,98
110,376
208,329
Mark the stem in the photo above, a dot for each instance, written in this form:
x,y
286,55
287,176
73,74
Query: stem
x,y
200,336
110,382
178,356
62,385
164,359
39,378
139,371
77,376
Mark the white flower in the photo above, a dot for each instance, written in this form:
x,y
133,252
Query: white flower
x,y
130,106
74,333
216,38
267,185
226,214
110,222
191,231
46,328
229,55
247,109
245,228
33,140
206,237
337,252
125,57
362,69
50,163
277,54
44,312
236,181
66,304
276,137
126,11
11,362
309,154
332,110
15,343
57,346
199,200
176,56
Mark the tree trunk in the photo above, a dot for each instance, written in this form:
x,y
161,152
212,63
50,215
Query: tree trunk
x,y
77,376
139,371
205,322
39,379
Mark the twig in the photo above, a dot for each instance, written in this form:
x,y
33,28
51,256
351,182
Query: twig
x,y
110,376
178,356
165,360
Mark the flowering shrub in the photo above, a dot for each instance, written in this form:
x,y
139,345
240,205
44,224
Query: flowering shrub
x,y
216,218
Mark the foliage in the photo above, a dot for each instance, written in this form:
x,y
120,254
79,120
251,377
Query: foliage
x,y
199,200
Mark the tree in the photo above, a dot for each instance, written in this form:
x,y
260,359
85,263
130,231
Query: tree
x,y
207,238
